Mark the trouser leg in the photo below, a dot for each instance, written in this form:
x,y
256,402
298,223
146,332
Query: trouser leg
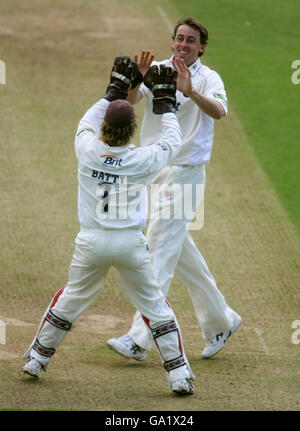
x,y
50,336
164,247
212,312
172,249
167,340
55,330
165,238
161,324
85,281
210,307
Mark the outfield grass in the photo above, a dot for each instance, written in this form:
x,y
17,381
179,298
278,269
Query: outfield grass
x,y
252,44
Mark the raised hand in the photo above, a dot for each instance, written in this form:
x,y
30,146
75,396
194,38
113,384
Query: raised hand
x,y
184,82
124,76
144,63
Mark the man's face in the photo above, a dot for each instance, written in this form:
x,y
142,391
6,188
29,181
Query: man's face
x,y
187,45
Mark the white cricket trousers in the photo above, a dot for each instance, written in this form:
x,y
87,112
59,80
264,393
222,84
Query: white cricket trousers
x,y
172,249
95,252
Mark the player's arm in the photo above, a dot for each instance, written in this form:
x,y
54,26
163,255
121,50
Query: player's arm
x,y
144,64
154,157
161,81
88,130
134,96
207,104
170,140
93,118
123,73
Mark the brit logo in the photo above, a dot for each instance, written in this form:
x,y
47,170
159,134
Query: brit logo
x,y
111,160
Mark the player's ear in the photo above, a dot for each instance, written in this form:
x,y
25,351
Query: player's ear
x,y
202,48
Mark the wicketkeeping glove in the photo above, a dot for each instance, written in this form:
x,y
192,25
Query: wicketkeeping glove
x,y
161,80
124,74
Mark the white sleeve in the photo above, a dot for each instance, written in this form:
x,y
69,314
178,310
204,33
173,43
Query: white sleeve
x,y
215,88
159,154
144,90
88,130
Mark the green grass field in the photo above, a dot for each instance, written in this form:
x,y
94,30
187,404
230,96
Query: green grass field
x,y
253,45
58,56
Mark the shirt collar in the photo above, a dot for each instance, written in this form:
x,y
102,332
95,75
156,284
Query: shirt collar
x,y
194,68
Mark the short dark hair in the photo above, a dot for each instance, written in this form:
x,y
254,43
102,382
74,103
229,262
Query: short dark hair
x,y
192,22
117,136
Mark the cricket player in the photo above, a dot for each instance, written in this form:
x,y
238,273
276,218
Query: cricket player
x,y
201,99
112,180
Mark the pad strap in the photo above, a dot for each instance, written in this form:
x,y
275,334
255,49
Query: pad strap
x,y
164,329
58,322
174,363
42,350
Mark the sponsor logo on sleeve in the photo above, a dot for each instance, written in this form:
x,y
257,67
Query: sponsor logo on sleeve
x,y
220,96
162,146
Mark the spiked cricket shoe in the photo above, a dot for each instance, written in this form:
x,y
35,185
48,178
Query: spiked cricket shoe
x,y
179,382
33,368
216,343
126,347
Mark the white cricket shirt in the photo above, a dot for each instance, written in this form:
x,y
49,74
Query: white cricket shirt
x,y
112,181
196,126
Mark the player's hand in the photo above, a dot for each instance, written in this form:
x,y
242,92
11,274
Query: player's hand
x,y
184,82
121,76
142,66
144,63
161,80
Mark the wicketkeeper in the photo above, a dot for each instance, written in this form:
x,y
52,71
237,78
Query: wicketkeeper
x,y
109,171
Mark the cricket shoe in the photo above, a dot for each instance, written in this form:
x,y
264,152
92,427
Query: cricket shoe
x,y
126,347
33,368
179,382
216,343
